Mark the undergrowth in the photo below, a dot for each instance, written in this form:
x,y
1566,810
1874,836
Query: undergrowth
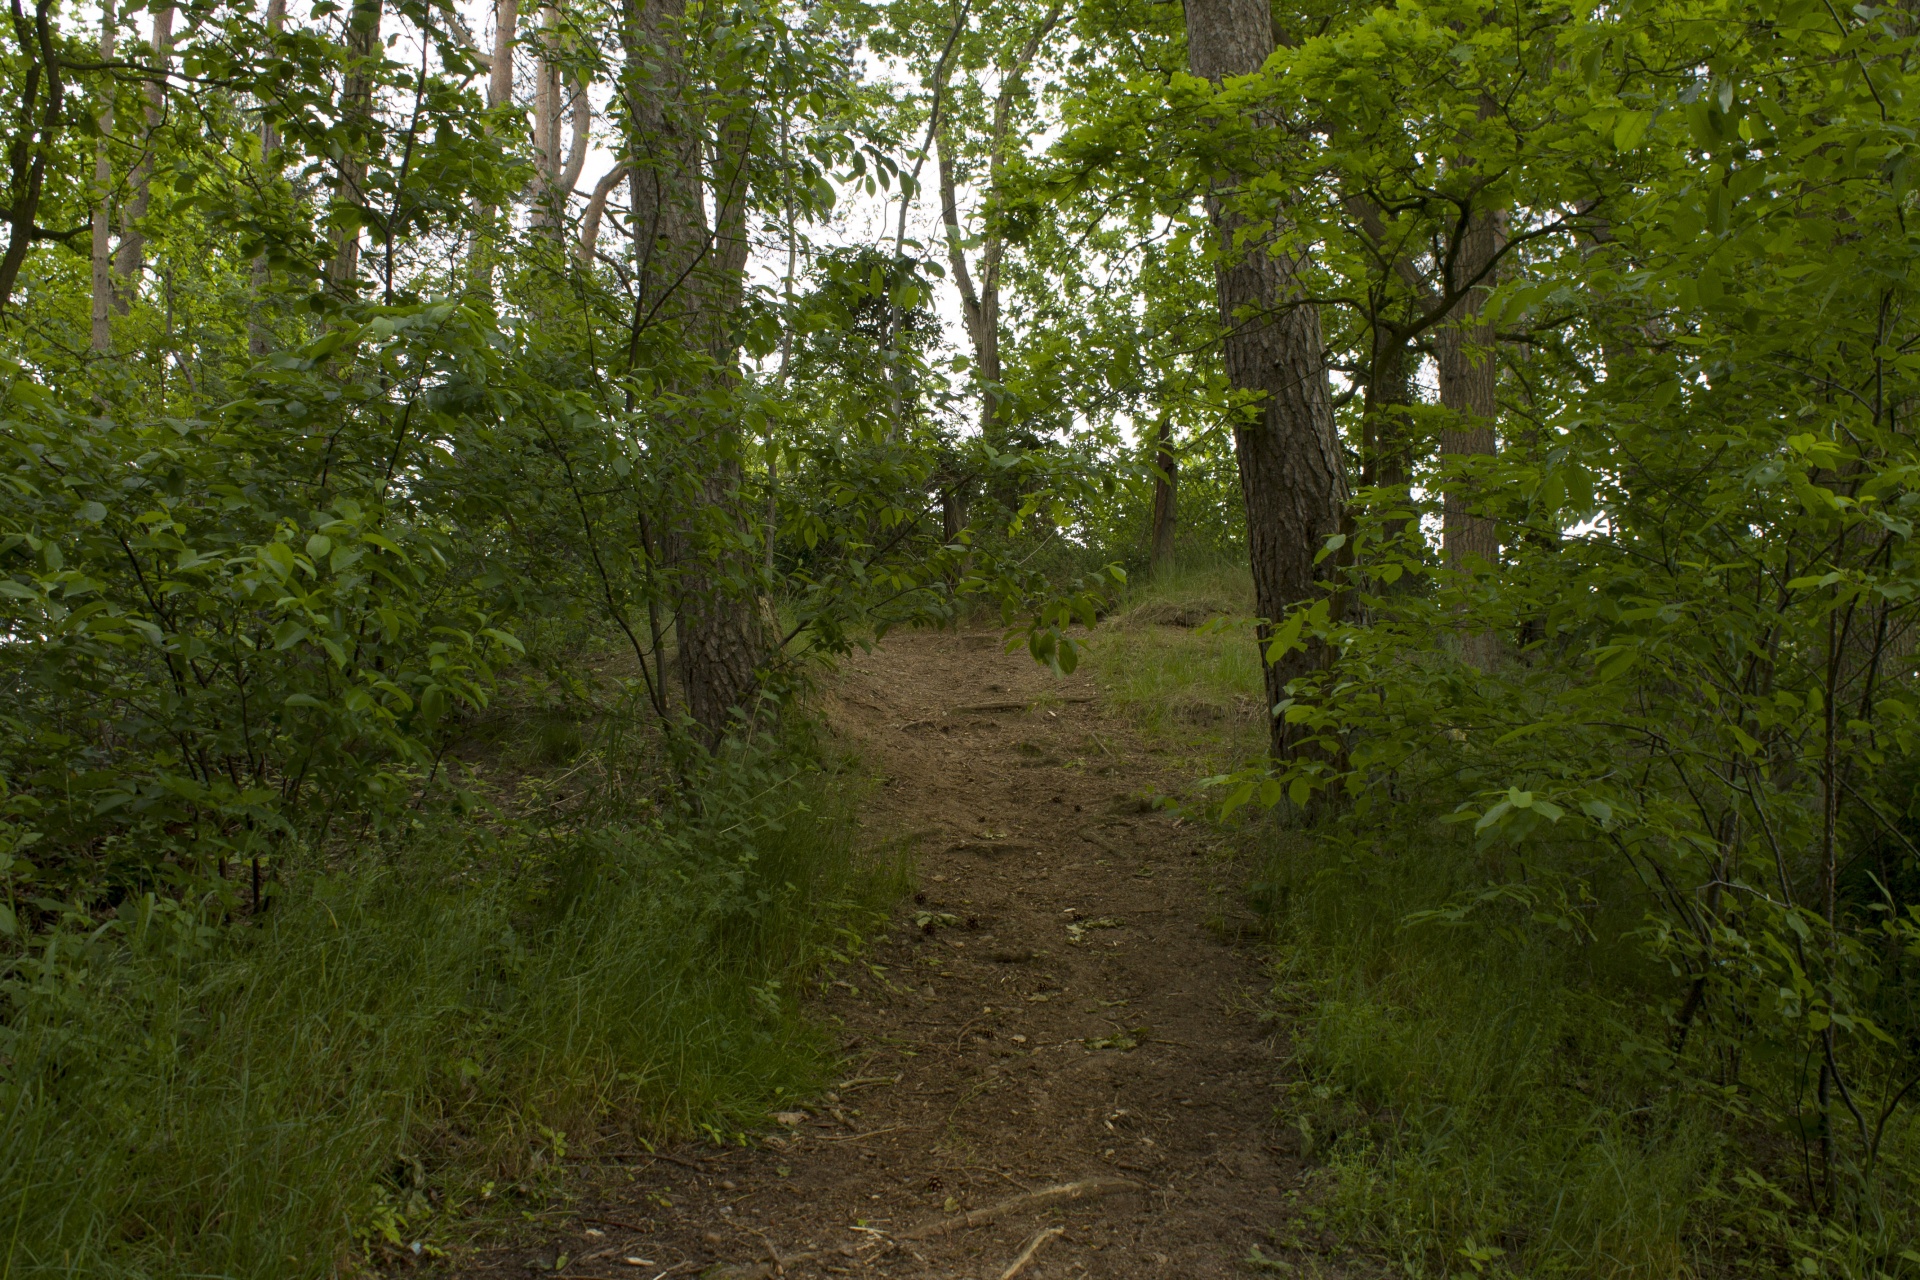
x,y
1484,1093
422,1029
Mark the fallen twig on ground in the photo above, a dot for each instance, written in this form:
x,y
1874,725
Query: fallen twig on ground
x,y
1085,1189
1026,1254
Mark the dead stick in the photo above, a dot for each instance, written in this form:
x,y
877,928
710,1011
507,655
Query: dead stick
x,y
1087,1189
1026,1254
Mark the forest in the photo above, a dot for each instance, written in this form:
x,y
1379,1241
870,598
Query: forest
x,y
451,454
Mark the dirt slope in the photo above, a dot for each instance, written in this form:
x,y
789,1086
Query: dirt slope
x,y
1053,1015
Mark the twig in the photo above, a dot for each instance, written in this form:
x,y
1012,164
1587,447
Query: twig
x,y
1033,1247
1085,1189
858,1137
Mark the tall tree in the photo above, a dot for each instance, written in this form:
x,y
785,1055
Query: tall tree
x,y
363,58
980,289
1292,471
690,279
131,257
101,257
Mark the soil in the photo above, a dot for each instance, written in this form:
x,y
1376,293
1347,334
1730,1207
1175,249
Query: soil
x,y
1062,1004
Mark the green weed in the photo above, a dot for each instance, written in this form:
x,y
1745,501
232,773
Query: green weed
x,y
1488,1096
429,1023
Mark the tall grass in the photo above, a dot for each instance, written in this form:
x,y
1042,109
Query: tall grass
x,y
1482,1097
1178,657
270,1099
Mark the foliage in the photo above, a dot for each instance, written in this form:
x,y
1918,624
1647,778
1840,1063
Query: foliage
x,y
449,1013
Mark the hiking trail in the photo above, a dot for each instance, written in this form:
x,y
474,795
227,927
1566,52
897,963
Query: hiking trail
x,y
1057,1070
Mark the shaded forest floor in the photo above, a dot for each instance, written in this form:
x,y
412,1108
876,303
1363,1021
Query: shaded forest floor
x,y
1056,1060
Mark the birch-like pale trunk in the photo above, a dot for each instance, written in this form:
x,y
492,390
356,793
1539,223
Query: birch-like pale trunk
x,y
130,260
102,256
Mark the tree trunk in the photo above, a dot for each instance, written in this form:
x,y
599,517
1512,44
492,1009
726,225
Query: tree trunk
x,y
1165,489
1292,471
102,313
131,258
1468,385
506,22
356,108
1387,454
259,332
981,307
691,280
546,121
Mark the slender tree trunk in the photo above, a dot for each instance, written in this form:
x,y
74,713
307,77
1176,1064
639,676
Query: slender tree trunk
x,y
1386,455
102,313
1292,471
506,22
131,258
356,103
595,212
259,332
1165,489
691,279
546,116
1468,386
981,306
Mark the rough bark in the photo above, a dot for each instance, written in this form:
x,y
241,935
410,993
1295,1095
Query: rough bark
x,y
691,280
1386,455
102,257
1165,491
1292,472
1468,385
131,257
356,107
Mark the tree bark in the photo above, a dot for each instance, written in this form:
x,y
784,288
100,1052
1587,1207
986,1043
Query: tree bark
x,y
356,108
546,120
1292,471
595,212
691,280
1468,388
102,256
36,125
131,258
1165,490
259,332
506,22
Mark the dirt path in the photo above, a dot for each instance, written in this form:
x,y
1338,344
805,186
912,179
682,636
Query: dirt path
x,y
1051,1011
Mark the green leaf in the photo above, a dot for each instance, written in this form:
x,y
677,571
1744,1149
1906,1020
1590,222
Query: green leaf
x,y
1629,128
